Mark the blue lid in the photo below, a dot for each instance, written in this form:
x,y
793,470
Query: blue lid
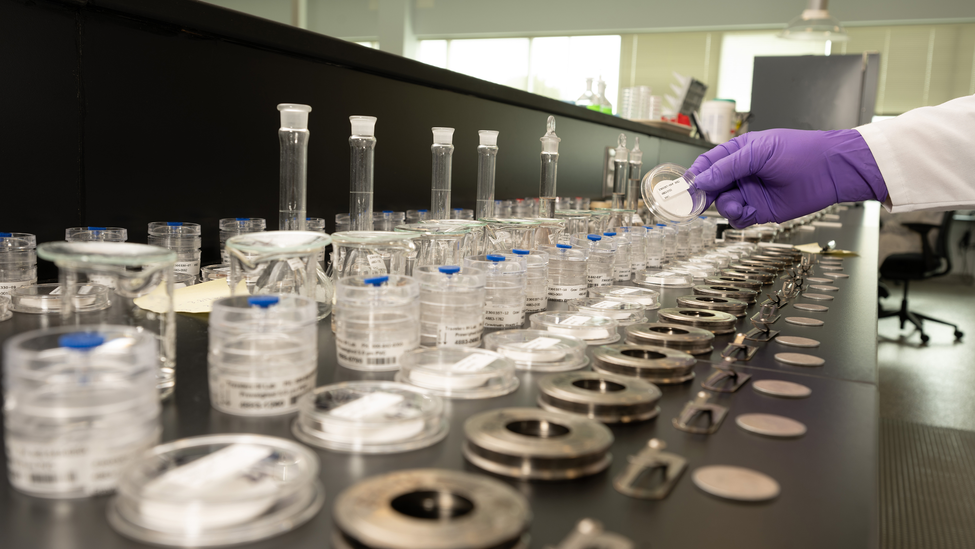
x,y
377,281
449,269
520,252
5,235
263,301
594,237
609,234
424,211
458,209
563,246
661,225
81,340
243,219
96,228
648,226
387,211
174,223
702,217
495,257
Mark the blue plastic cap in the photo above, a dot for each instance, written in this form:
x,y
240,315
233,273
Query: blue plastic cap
x,y
563,246
5,235
387,211
702,217
594,237
81,340
377,280
609,234
520,252
174,223
96,228
449,269
263,301
424,211
495,257
243,219
661,225
458,209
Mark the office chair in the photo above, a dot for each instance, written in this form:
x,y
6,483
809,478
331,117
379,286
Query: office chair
x,y
930,263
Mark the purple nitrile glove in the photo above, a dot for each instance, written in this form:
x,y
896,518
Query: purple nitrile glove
x,y
777,175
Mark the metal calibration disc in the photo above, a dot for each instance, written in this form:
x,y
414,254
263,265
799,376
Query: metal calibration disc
x,y
604,397
529,443
732,292
804,321
771,425
818,297
715,322
758,269
784,389
713,303
799,359
725,281
763,277
830,267
811,307
818,280
659,365
795,341
784,259
831,261
824,288
764,264
737,483
430,508
837,275
689,339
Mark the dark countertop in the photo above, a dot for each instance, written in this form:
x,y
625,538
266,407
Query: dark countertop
x,y
828,477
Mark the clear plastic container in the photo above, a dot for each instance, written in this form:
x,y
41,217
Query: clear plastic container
x,y
377,319
458,372
370,417
80,404
539,350
669,278
656,256
567,273
417,216
462,213
576,221
215,272
234,226
5,310
669,192
669,242
18,261
636,238
696,236
621,259
506,234
623,312
650,299
342,222
46,298
182,280
387,220
263,353
600,257
217,490
182,238
683,243
451,305
96,234
317,225
536,288
142,276
506,285
591,328
440,243
375,253
699,271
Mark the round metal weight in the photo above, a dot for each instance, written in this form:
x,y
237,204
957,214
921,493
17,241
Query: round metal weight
x,y
529,443
691,340
831,267
823,288
771,425
795,341
811,307
712,303
783,389
659,365
715,322
735,483
732,292
818,280
799,359
764,278
430,508
837,275
784,259
764,264
606,398
725,281
747,268
818,297
804,321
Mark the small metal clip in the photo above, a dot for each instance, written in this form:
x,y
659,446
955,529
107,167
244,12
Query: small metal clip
x,y
647,462
719,379
764,318
699,407
589,534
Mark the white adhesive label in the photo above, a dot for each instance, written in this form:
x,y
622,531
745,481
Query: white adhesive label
x,y
7,288
621,273
624,291
56,291
376,263
540,343
104,280
248,395
224,256
473,363
575,320
468,335
503,316
384,355
228,462
83,290
655,262
370,405
187,267
565,293
673,197
296,264
536,303
599,279
606,305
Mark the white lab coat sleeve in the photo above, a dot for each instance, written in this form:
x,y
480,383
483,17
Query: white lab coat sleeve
x,y
927,156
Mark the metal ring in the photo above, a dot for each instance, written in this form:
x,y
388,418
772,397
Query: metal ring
x,y
785,259
716,322
761,269
691,340
604,397
726,281
713,303
659,365
529,443
741,294
763,277
766,265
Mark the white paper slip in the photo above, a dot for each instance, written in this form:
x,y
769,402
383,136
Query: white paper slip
x,y
376,263
369,405
576,320
473,363
606,305
539,343
625,291
295,264
673,196
220,465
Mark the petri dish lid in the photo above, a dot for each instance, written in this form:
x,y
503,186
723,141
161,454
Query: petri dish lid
x,y
591,328
125,254
46,298
669,192
217,490
458,372
666,278
539,350
650,299
370,417
623,312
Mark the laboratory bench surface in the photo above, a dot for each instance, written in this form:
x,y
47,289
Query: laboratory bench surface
x,y
828,477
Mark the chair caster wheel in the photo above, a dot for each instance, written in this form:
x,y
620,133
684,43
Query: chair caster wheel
x,y
958,335
925,338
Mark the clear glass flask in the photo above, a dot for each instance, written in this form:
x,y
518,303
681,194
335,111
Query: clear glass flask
x,y
362,150
293,138
548,173
487,157
442,151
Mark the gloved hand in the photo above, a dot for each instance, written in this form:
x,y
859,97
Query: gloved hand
x,y
777,175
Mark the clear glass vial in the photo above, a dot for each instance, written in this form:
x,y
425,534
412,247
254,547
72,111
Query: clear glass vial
x,y
387,220
458,372
451,305
539,350
669,192
377,319
18,261
184,239
262,354
233,226
506,289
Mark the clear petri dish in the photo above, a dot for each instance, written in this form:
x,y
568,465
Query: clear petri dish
x,y
539,350
458,372
591,328
217,490
666,278
650,299
623,312
370,417
669,192
5,311
215,272
46,298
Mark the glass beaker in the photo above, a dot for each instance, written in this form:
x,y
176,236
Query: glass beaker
x,y
440,243
505,234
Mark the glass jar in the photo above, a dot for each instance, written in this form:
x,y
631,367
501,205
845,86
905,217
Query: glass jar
x,y
184,239
18,261
377,319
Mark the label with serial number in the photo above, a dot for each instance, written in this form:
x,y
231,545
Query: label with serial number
x,y
673,197
563,292
655,262
467,335
536,303
104,280
503,316
377,264
375,355
187,267
621,272
260,396
598,280
6,288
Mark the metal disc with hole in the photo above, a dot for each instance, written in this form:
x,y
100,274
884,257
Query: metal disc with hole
x,y
530,443
837,275
658,365
818,280
754,285
811,307
783,389
831,267
431,508
804,321
795,341
731,292
715,322
818,297
713,303
736,483
606,398
824,288
799,359
689,339
771,425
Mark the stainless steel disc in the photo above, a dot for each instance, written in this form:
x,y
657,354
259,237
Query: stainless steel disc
x,y
830,267
530,443
784,259
818,280
771,425
759,269
764,264
837,275
735,483
764,278
831,261
824,288
799,359
720,290
804,321
818,297
784,389
604,397
658,365
715,322
811,307
795,341
713,303
691,340
430,508
726,281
